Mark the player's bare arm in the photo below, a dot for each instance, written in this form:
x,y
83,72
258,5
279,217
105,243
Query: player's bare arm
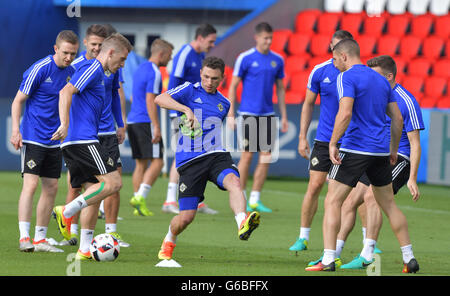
x,y
153,114
16,111
341,123
396,129
281,94
305,121
166,101
65,101
416,150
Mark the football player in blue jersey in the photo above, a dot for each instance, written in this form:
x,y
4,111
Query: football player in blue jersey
x,y
200,156
322,80
259,69
365,98
144,133
40,156
186,66
89,163
403,172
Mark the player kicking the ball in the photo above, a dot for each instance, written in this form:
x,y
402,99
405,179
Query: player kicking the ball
x,y
200,156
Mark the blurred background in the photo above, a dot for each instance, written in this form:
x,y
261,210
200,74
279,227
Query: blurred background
x,y
415,32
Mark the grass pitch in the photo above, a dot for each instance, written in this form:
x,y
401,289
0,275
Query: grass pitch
x,y
210,246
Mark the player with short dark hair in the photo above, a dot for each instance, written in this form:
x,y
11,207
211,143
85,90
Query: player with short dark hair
x,y
90,165
40,156
403,172
259,69
322,80
365,97
144,131
200,156
186,66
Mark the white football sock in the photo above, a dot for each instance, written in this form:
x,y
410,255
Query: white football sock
x,y
85,239
172,192
144,189
364,231
102,206
339,247
407,253
74,206
24,229
367,251
328,256
304,233
254,197
110,227
171,237
74,229
239,218
40,233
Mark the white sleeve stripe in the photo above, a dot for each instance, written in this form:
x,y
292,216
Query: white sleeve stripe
x,y
411,109
30,79
157,80
339,86
237,66
86,75
314,70
178,88
181,61
77,60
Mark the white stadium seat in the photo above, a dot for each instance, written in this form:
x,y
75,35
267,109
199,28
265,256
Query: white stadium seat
x,y
334,5
397,6
418,7
375,7
354,6
439,7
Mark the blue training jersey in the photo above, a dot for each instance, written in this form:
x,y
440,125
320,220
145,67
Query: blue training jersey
x,y
146,79
87,104
412,118
367,132
322,80
111,108
258,73
42,83
186,66
210,110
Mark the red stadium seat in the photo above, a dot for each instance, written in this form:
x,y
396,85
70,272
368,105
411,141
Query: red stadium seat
x,y
352,22
293,97
388,44
397,25
328,22
366,45
414,85
280,39
320,45
317,60
432,47
295,64
443,102
305,21
374,26
401,65
299,82
410,46
399,77
419,67
298,43
435,86
421,25
428,102
441,68
447,49
442,26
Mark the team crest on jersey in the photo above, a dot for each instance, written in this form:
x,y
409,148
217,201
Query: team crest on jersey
x,y
68,78
220,107
108,73
31,164
314,161
110,162
183,187
273,64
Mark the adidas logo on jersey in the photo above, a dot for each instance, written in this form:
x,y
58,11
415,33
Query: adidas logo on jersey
x,y
49,80
198,100
327,80
255,64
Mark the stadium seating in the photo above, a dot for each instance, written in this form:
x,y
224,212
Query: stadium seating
x,y
354,6
295,64
352,23
397,6
418,7
327,23
441,68
298,43
388,44
334,5
367,45
421,25
374,26
414,84
410,46
419,67
280,39
435,86
320,44
443,102
397,25
439,7
305,21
